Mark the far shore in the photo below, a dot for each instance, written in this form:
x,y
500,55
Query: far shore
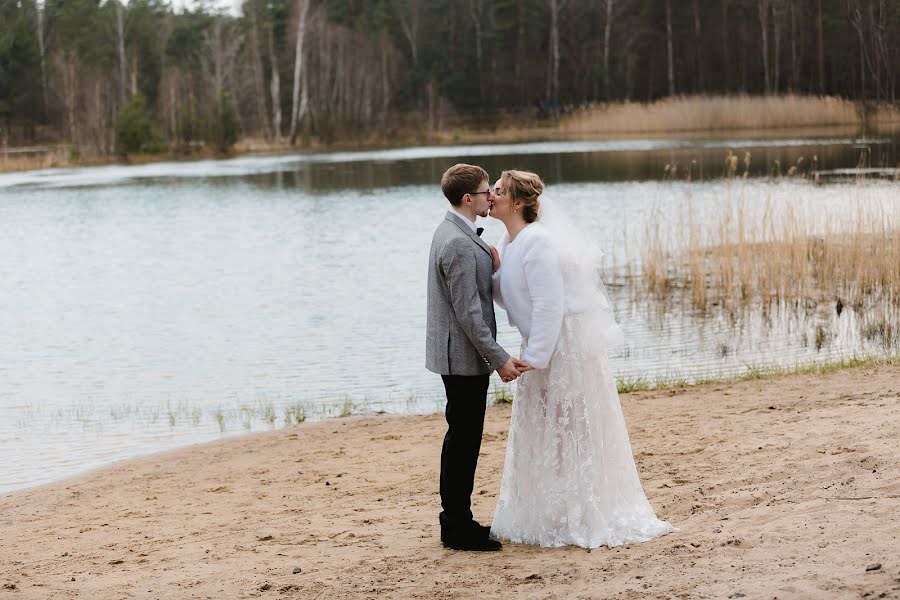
x,y
784,487
747,117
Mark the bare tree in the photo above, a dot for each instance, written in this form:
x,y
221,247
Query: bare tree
x,y
669,48
607,34
556,7
475,10
120,47
777,20
699,63
726,70
39,9
856,20
765,7
274,82
795,61
409,12
521,81
820,45
296,115
259,84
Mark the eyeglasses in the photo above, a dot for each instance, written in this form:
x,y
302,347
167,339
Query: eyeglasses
x,y
476,193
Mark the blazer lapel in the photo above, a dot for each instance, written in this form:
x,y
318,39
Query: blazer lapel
x,y
464,227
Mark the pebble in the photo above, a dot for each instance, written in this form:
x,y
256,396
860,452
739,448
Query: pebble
x,y
873,567
296,570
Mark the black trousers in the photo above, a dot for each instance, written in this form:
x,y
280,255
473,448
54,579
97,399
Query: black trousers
x,y
466,401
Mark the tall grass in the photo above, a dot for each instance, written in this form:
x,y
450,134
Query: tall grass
x,y
758,253
34,158
710,113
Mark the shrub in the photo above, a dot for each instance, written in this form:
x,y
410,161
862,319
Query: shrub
x,y
135,130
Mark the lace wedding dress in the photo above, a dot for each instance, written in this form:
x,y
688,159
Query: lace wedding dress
x,y
569,476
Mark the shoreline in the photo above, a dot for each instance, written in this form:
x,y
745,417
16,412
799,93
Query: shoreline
x,y
779,487
533,132
498,395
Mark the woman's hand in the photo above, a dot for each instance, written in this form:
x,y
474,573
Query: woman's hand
x,y
496,258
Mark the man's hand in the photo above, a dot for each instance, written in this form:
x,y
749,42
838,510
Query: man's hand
x,y
521,365
495,257
508,371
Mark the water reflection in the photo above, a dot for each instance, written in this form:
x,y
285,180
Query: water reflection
x,y
577,161
148,307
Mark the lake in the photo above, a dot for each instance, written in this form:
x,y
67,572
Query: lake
x,y
153,306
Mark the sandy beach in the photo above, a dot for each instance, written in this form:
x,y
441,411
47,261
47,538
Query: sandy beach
x,y
783,488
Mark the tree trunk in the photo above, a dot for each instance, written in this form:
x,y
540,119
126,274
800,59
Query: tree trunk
x,y
70,83
699,64
39,10
274,83
777,14
409,23
475,11
821,46
764,7
298,67
669,49
726,63
607,33
553,51
120,48
857,23
520,53
795,61
259,79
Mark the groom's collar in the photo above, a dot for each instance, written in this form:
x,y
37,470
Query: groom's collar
x,y
465,219
467,227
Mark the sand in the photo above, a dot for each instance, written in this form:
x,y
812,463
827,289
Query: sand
x,y
786,488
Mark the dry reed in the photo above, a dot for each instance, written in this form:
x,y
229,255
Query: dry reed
x,y
710,113
57,156
744,257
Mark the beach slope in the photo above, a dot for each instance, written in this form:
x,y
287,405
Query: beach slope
x,y
786,488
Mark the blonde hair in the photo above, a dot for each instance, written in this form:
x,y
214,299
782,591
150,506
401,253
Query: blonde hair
x,y
527,188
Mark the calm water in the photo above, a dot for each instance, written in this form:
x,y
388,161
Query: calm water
x,y
154,306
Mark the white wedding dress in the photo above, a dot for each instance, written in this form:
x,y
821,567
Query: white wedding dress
x,y
569,477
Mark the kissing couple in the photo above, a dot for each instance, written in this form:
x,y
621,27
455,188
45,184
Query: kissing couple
x,y
569,477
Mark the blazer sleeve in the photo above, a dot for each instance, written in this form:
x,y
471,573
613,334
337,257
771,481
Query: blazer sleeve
x,y
460,268
545,286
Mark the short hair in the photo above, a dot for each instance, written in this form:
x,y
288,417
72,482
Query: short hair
x,y
460,180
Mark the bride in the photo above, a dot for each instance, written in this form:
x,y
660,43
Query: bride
x,y
569,477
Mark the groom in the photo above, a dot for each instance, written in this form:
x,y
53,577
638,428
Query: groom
x,y
461,346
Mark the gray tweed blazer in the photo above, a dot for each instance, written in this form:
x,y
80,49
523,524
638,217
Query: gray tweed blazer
x,y
461,328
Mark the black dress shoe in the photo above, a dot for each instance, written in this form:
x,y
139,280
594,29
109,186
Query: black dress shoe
x,y
471,543
479,529
473,528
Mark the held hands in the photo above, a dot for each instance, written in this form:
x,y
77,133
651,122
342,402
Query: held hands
x,y
495,256
512,369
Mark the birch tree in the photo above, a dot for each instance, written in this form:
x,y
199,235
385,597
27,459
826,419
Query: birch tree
x,y
409,13
274,82
298,108
555,7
